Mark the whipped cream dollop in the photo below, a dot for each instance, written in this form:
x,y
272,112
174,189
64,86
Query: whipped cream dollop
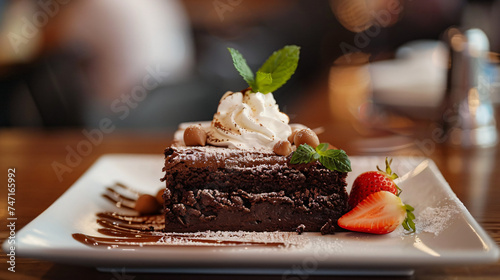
x,y
248,121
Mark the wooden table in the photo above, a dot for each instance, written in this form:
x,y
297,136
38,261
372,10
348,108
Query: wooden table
x,y
471,173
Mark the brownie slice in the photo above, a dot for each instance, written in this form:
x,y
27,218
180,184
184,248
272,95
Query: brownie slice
x,y
212,188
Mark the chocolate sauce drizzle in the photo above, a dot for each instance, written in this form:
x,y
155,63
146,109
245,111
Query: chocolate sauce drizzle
x,y
148,230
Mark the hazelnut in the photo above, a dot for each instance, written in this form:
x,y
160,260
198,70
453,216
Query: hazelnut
x,y
290,138
147,204
306,136
194,135
283,148
159,196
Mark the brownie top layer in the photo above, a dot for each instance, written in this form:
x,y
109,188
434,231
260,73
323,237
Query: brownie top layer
x,y
215,157
253,171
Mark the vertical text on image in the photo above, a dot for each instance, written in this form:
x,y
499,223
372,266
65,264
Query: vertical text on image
x,y
11,218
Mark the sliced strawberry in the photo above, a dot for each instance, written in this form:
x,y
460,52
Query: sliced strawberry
x,y
372,182
379,213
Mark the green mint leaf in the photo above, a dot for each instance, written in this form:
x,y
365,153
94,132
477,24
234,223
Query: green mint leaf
x,y
281,65
263,80
334,159
316,156
303,154
322,147
331,159
241,65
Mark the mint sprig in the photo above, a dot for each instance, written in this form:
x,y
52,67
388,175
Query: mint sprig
x,y
241,65
332,159
304,154
274,73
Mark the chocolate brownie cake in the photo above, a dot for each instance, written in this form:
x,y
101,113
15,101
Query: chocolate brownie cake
x,y
209,188
249,169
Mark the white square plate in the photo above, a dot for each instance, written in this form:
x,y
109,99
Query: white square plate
x,y
447,234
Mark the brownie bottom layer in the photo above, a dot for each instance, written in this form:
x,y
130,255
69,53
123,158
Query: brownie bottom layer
x,y
201,210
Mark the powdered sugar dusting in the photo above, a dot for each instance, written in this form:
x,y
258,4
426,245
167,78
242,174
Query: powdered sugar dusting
x,y
211,150
435,219
224,238
327,244
251,159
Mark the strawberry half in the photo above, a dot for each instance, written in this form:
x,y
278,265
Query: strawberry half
x,y
372,182
379,213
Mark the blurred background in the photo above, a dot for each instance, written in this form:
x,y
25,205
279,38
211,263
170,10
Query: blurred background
x,y
149,65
